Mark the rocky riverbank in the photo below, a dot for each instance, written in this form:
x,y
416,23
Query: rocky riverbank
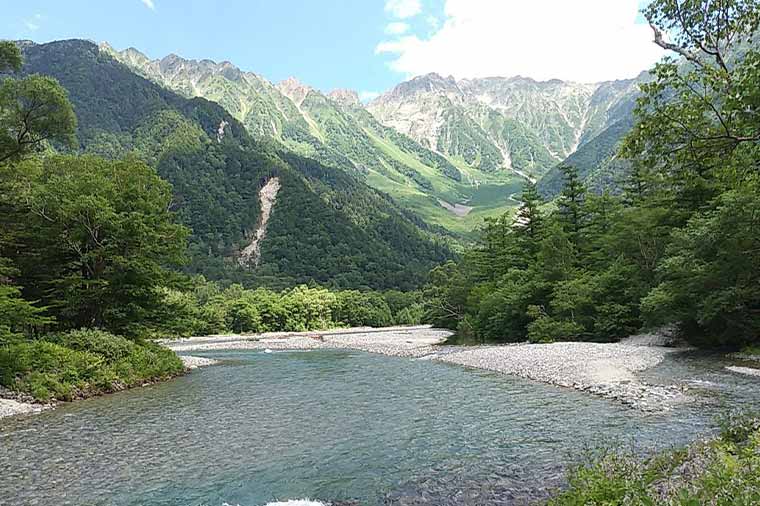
x,y
748,371
606,370
15,403
191,362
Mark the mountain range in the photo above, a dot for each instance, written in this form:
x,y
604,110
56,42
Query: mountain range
x,y
326,226
452,151
366,195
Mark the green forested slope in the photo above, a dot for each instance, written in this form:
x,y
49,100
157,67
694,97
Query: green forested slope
x,y
329,229
597,162
339,132
678,245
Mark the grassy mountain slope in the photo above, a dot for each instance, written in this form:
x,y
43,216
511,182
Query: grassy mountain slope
x,y
596,161
518,124
336,130
326,227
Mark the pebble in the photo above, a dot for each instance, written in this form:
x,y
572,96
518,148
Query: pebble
x,y
191,362
604,370
749,371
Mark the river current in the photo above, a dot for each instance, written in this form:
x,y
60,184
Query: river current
x,y
338,426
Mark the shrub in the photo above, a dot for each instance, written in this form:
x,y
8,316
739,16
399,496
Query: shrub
x,y
46,370
721,472
82,363
109,346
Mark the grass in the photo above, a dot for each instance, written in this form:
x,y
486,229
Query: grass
x,y
489,199
83,363
724,471
751,350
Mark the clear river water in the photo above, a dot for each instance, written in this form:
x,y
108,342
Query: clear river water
x,y
338,426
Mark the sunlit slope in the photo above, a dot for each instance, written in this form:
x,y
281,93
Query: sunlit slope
x,y
338,131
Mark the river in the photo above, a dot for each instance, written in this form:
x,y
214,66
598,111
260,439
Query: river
x,y
337,425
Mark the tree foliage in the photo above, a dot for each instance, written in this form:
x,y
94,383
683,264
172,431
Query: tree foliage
x,y
679,247
205,307
34,111
95,239
10,57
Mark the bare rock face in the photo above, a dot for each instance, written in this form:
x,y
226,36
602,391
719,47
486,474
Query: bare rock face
x,y
251,254
294,89
345,97
504,115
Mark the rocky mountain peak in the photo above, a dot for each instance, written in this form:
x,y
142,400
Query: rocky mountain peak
x,y
294,89
345,97
424,85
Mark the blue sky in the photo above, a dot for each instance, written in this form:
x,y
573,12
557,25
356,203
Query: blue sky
x,y
367,45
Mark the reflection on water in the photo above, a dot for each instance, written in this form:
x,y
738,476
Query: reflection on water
x,y
332,425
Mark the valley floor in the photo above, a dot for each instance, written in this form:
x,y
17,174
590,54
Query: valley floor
x,y
606,370
610,371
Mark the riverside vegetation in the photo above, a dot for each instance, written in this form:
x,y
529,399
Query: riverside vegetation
x,y
680,243
91,243
107,246
722,471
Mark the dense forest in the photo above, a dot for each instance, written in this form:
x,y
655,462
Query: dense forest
x,y
679,245
355,237
120,201
94,247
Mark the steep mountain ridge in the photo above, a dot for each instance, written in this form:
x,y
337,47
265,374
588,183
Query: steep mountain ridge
x,y
326,226
516,123
337,130
432,142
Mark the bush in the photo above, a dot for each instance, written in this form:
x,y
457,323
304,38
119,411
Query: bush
x,y
245,317
359,309
721,472
109,346
82,363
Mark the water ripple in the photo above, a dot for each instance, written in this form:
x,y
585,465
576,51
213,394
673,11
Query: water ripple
x,y
329,425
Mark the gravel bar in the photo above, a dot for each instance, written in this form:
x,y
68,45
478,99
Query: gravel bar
x,y
191,362
748,371
605,370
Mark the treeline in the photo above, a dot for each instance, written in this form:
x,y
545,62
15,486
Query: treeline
x,y
84,242
680,245
208,308
92,251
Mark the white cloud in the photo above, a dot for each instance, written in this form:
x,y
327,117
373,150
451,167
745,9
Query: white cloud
x,y
367,96
396,28
149,4
34,23
403,8
586,41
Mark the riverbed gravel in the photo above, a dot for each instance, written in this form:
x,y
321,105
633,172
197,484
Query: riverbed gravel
x,y
191,362
16,403
605,370
748,371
